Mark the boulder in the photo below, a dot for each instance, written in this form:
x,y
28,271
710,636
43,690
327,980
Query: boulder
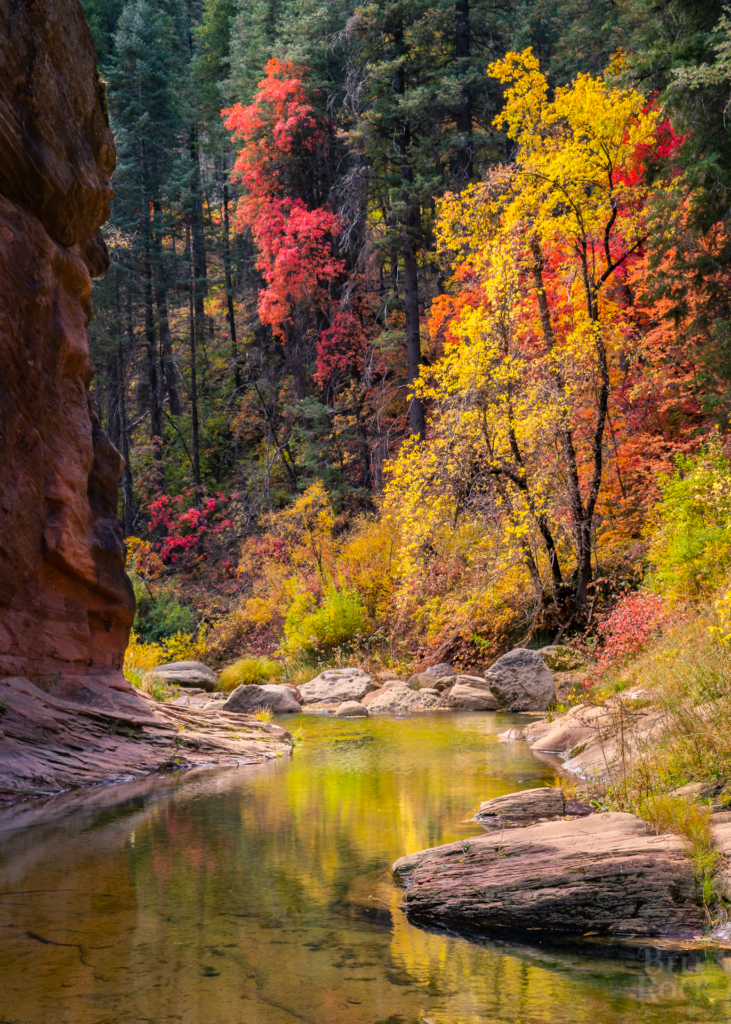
x,y
398,700
351,709
522,808
608,874
440,671
463,697
248,699
559,658
439,676
520,681
337,684
186,673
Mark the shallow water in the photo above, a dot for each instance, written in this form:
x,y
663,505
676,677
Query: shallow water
x,y
263,896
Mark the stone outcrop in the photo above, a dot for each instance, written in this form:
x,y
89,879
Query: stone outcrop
x,y
595,741
520,681
65,603
48,744
337,684
186,674
248,699
606,874
67,715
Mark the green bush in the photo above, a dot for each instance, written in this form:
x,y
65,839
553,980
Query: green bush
x,y
247,671
338,622
691,548
160,615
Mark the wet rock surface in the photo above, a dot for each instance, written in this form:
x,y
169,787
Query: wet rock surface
x,y
606,873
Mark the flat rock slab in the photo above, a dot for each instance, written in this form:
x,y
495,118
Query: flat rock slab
x,y
248,699
86,731
606,874
520,681
186,673
337,684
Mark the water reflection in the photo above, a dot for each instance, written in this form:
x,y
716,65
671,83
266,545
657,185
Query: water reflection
x,y
264,896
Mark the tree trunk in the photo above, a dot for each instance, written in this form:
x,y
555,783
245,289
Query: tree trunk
x,y
194,325
229,284
127,510
167,364
463,162
153,375
410,223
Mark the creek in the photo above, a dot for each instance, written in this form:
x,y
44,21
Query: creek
x,y
263,895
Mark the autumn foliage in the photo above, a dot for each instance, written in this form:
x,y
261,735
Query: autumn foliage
x,y
279,133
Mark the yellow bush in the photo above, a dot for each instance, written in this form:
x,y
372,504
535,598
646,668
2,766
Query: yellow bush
x,y
140,657
247,671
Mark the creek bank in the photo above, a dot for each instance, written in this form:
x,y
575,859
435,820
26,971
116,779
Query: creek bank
x,y
49,744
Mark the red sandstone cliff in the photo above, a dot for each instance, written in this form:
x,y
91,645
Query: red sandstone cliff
x,y
66,605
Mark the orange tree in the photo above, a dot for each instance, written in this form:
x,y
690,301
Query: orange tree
x,y
539,331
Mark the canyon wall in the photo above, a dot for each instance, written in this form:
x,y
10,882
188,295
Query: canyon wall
x,y
66,605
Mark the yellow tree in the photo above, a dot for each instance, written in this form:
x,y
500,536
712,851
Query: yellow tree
x,y
538,326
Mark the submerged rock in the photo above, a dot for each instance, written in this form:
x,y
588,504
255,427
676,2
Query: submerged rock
x,y
520,681
271,697
511,736
607,874
186,673
351,709
338,684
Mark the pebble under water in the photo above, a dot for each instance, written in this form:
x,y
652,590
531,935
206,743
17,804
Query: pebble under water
x,y
263,895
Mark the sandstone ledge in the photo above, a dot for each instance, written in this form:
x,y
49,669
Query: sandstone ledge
x,y
606,874
86,731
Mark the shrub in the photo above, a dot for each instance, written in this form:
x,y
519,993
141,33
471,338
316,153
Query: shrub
x,y
140,657
162,615
667,813
247,671
691,549
338,622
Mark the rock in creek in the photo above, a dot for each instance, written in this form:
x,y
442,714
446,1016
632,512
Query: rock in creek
x,y
399,700
471,693
247,699
351,709
520,681
607,873
338,684
186,673
522,808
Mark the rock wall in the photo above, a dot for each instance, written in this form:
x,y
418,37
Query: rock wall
x,y
66,605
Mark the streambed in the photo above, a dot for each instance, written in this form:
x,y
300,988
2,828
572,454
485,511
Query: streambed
x,y
264,896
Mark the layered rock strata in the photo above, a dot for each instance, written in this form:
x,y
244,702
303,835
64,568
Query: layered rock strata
x,y
606,874
67,715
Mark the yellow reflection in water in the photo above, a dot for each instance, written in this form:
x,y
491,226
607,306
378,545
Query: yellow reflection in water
x,y
264,896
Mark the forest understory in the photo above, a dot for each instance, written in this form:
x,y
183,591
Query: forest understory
x,y
416,336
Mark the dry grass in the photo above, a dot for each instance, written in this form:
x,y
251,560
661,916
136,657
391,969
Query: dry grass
x,y
263,714
675,814
248,671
